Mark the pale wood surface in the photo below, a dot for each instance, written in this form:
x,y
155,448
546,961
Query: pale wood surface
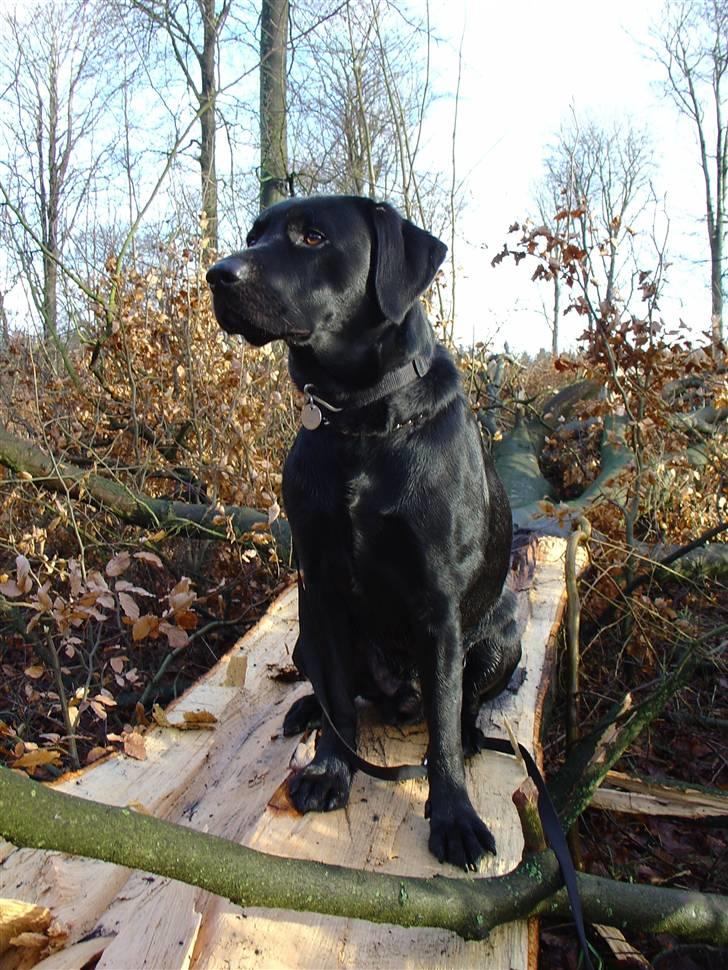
x,y
221,781
651,798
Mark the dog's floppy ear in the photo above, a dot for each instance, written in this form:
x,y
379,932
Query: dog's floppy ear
x,y
407,259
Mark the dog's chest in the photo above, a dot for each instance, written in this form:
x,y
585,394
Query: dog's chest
x,y
350,506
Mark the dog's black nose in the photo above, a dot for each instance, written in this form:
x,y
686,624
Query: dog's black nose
x,y
226,272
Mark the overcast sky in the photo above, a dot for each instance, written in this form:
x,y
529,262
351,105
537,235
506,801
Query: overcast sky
x,y
524,66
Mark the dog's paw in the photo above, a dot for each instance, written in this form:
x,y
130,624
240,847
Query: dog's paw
x,y
474,740
460,837
321,787
303,714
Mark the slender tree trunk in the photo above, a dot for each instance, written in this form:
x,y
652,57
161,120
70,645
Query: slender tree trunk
x,y
208,95
716,287
273,141
4,325
48,166
557,312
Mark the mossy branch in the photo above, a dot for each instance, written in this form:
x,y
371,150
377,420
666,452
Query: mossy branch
x,y
133,507
34,816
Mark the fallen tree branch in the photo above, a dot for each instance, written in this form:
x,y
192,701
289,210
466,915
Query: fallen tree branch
x,y
517,464
664,797
181,518
34,816
698,557
591,759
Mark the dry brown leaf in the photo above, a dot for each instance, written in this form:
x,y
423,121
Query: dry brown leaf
x,y
160,716
199,718
135,746
96,753
147,625
123,586
129,605
181,597
118,564
34,759
34,672
176,636
149,557
191,720
187,620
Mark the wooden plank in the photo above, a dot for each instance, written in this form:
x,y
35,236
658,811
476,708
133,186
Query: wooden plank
x,y
78,890
221,781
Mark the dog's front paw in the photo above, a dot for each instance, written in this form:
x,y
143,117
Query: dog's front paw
x,y
321,787
459,836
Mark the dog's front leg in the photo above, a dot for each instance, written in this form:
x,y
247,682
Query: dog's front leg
x,y
457,834
324,784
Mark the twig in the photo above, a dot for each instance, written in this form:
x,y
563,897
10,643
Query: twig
x,y
581,534
591,759
70,730
677,554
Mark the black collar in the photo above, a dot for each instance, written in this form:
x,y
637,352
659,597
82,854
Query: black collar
x,y
312,415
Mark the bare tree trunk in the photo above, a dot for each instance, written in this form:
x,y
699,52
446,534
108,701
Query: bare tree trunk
x,y
207,100
716,289
555,320
175,18
273,139
4,325
692,47
49,188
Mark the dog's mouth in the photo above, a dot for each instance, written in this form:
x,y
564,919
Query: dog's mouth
x,y
258,321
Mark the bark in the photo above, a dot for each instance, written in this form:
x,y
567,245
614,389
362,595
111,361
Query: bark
x,y
207,101
273,117
517,464
33,816
556,317
180,518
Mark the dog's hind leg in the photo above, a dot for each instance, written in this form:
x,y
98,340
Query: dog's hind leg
x,y
324,784
303,714
493,653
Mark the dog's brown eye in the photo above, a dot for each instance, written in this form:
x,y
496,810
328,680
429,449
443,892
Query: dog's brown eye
x,y
312,237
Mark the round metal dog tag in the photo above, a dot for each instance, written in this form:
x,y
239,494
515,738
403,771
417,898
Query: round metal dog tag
x,y
311,416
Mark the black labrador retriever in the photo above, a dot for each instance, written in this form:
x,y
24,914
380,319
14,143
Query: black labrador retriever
x,y
401,527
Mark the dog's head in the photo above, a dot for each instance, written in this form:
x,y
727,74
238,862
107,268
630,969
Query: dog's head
x,y
323,268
